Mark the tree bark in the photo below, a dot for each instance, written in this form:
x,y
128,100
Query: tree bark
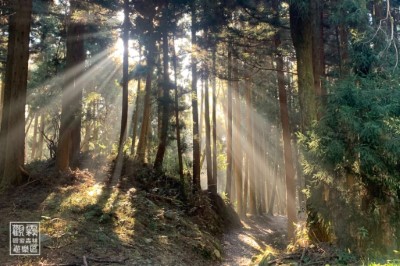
x,y
238,155
13,117
301,34
251,146
151,48
264,185
88,129
34,140
246,184
41,137
208,131
177,121
249,168
271,202
213,187
259,149
287,148
162,145
342,44
195,110
125,78
229,161
318,53
142,144
135,117
70,129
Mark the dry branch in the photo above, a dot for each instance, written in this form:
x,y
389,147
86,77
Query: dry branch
x,y
163,198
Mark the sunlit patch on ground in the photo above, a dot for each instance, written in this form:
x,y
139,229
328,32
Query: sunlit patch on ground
x,y
250,241
258,236
81,217
96,190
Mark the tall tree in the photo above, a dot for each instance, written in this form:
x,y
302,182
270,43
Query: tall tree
x,y
195,109
125,85
208,128
177,119
213,186
302,36
238,155
12,136
229,159
145,27
287,148
125,78
249,138
135,115
162,145
145,129
70,129
251,150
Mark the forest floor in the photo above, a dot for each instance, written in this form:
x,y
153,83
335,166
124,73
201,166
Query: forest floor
x,y
89,219
241,246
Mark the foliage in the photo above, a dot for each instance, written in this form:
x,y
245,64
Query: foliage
x,y
355,151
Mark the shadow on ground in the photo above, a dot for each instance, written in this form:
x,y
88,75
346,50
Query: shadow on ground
x,y
139,220
241,246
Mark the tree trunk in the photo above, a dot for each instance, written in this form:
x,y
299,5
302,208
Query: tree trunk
x,y
238,155
177,121
246,185
264,185
142,144
251,147
96,124
229,161
146,118
135,115
343,49
88,129
210,182
30,118
41,137
70,129
301,33
15,86
195,110
271,202
342,44
162,145
318,53
213,186
287,148
249,170
34,140
201,122
258,169
125,79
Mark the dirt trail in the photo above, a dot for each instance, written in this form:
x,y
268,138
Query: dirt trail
x,y
240,245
